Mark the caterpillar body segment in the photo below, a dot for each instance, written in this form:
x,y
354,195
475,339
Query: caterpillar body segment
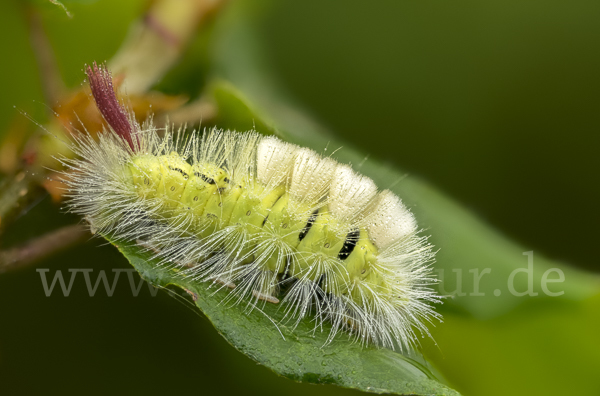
x,y
278,221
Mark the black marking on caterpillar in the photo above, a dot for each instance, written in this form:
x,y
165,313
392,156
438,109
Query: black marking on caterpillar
x,y
349,244
207,179
308,225
185,175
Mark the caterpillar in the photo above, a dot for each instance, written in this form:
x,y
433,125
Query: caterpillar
x,y
272,221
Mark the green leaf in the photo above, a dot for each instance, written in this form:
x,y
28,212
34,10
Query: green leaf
x,y
235,112
528,339
299,354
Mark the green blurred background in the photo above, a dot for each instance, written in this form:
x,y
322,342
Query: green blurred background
x,y
494,102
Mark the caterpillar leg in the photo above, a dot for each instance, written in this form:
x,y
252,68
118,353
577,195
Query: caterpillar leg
x,y
265,297
227,283
156,250
90,222
147,245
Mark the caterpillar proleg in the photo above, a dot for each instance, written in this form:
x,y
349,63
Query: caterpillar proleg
x,y
276,222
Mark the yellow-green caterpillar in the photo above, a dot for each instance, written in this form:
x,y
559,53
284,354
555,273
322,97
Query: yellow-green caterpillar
x,y
271,220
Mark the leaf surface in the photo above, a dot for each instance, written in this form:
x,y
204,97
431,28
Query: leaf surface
x,y
300,354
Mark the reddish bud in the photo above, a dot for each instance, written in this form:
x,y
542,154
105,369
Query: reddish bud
x,y
111,109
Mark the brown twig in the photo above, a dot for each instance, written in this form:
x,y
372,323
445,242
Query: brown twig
x,y
52,83
42,247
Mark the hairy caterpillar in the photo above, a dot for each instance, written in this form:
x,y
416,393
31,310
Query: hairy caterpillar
x,y
271,220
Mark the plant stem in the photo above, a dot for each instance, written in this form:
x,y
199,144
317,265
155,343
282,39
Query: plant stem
x,y
42,247
50,77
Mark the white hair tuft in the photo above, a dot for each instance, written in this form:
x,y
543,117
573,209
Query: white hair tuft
x,y
310,176
350,193
390,220
274,159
